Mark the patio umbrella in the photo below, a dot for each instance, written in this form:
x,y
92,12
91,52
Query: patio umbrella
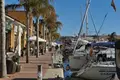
x,y
33,38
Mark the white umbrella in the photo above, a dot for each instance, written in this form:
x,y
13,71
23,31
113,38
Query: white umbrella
x,y
33,38
53,43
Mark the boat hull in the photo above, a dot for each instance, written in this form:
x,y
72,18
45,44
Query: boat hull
x,y
77,62
98,73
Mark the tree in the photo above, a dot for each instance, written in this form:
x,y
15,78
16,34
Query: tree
x,y
112,37
40,10
28,5
55,36
53,25
54,33
2,41
50,23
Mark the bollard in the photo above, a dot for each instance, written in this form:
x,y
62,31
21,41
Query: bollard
x,y
39,76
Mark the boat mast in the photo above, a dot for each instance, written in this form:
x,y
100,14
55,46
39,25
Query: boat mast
x,y
81,27
86,19
81,16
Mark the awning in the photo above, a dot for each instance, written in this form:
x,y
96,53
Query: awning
x,y
33,38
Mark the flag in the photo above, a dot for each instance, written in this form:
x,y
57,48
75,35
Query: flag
x,y
113,5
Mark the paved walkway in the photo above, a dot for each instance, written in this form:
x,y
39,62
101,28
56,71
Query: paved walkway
x,y
29,70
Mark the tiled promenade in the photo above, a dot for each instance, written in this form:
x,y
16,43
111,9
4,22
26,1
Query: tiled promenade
x,y
29,70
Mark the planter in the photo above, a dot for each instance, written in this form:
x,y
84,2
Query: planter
x,y
18,68
11,67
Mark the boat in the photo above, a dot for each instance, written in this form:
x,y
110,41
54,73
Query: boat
x,y
78,59
102,63
91,64
79,55
98,71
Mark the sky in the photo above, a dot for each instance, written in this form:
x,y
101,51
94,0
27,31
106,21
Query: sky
x,y
71,12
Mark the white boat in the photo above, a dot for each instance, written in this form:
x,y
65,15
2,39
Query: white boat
x,y
78,59
98,71
101,67
95,67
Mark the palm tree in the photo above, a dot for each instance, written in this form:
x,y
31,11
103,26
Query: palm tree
x,y
37,12
28,5
40,10
50,20
2,41
55,35
53,25
112,37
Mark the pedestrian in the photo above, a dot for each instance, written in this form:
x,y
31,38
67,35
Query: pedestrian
x,y
67,73
56,47
23,52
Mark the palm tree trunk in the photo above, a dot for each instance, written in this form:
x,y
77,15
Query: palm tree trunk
x,y
28,47
37,38
43,37
2,41
50,39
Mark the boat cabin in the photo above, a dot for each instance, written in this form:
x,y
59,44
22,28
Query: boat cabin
x,y
104,51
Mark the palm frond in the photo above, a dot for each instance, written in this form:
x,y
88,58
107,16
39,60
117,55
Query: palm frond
x,y
40,8
55,35
59,24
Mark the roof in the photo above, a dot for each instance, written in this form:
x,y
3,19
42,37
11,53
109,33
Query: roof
x,y
9,17
18,16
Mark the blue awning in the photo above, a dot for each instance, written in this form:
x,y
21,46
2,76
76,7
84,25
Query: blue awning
x,y
104,44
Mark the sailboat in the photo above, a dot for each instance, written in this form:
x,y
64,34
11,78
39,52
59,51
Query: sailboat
x,y
89,67
79,53
102,64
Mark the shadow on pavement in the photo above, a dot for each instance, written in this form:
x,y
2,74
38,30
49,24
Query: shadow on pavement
x,y
24,79
34,79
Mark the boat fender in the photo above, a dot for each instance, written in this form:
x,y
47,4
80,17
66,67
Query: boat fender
x,y
91,52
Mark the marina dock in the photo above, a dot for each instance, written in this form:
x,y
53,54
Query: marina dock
x,y
29,70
